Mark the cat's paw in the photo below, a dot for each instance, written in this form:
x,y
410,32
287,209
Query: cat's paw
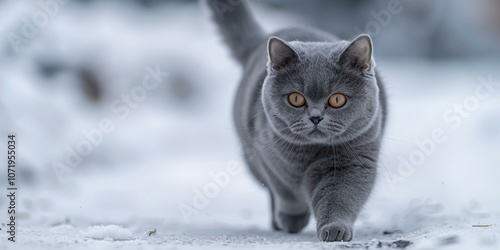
x,y
274,225
290,223
335,231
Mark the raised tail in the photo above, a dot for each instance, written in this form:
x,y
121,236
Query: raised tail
x,y
240,30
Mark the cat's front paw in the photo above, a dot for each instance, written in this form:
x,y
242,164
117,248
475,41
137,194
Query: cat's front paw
x,y
335,231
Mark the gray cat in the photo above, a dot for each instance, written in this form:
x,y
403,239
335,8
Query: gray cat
x,y
310,113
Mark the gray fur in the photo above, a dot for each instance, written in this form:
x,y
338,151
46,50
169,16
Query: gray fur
x,y
328,169
239,29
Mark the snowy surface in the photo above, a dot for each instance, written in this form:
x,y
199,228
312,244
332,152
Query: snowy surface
x,y
127,193
106,232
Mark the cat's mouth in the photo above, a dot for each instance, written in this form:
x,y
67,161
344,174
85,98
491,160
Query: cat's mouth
x,y
317,132
310,132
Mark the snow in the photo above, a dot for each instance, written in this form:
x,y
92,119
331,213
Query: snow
x,y
108,232
168,149
68,237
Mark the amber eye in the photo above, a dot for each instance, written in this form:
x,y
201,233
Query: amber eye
x,y
296,99
337,100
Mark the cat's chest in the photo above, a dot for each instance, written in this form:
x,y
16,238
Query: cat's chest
x,y
288,159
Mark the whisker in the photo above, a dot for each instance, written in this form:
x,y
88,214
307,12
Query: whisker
x,y
352,151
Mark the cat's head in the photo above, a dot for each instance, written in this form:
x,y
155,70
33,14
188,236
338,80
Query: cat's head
x,y
320,92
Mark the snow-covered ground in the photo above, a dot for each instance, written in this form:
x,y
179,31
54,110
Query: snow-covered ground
x,y
129,192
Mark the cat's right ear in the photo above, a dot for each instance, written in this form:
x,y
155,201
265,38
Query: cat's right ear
x,y
358,53
280,53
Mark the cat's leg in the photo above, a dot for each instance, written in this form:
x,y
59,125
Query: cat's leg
x,y
256,168
290,211
274,225
337,193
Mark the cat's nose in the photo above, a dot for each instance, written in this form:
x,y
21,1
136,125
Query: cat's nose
x,y
316,119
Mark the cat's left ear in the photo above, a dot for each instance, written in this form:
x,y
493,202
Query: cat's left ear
x,y
358,54
280,53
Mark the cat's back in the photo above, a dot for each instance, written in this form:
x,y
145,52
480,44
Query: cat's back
x,y
305,35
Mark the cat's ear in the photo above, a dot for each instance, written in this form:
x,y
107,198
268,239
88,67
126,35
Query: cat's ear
x,y
358,54
280,53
